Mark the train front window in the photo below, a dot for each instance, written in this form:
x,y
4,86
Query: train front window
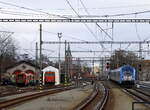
x,y
49,74
127,73
20,76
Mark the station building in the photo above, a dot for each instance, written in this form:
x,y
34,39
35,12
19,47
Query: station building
x,y
23,66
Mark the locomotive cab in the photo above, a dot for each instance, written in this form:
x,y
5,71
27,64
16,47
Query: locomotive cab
x,y
49,77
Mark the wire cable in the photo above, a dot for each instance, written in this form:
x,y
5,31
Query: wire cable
x,y
136,30
66,36
10,4
116,15
84,23
19,13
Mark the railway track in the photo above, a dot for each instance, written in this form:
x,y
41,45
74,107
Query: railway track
x,y
147,86
23,90
94,101
139,96
18,100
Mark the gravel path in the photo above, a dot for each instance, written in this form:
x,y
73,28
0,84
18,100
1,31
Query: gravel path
x,y
19,95
121,101
61,101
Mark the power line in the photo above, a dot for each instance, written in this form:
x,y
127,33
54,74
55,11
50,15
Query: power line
x,y
84,23
111,7
104,31
64,35
96,23
116,15
10,4
84,7
73,8
136,30
19,13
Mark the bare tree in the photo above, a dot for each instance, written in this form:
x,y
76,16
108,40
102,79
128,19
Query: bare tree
x,y
7,50
122,57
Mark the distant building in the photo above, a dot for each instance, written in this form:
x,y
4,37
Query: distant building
x,y
96,70
145,70
24,66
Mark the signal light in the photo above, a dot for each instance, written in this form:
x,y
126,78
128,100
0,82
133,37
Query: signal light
x,y
140,67
107,65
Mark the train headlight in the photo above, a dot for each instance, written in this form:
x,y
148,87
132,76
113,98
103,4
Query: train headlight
x,y
125,78
130,78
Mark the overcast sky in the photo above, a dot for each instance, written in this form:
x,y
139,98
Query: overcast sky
x,y
26,34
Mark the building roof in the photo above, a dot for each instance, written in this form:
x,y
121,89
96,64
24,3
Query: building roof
x,y
50,68
26,62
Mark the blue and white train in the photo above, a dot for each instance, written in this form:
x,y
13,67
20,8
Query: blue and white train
x,y
124,75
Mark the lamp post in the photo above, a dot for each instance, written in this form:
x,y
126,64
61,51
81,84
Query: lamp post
x,y
59,36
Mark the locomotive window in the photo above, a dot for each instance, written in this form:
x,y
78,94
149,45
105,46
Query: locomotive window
x,y
51,74
20,76
127,73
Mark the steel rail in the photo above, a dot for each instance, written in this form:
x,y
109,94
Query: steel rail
x,y
87,101
148,95
101,104
18,100
92,97
20,90
147,99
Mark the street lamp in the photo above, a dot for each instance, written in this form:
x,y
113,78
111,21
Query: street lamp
x,y
59,36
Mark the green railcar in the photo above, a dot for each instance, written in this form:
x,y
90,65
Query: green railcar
x,y
64,78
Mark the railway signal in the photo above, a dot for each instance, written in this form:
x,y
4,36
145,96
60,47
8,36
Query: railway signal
x,y
140,67
107,65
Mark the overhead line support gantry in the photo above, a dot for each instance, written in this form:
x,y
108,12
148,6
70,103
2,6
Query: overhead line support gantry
x,y
77,20
98,42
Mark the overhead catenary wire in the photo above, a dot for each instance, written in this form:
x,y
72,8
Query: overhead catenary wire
x,y
84,7
96,23
104,31
107,7
64,35
136,30
10,4
20,13
116,15
68,16
84,23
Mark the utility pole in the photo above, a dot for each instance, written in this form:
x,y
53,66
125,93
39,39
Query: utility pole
x,y
69,61
36,53
0,68
59,36
40,62
102,66
140,58
78,74
93,66
93,62
36,56
140,50
65,62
